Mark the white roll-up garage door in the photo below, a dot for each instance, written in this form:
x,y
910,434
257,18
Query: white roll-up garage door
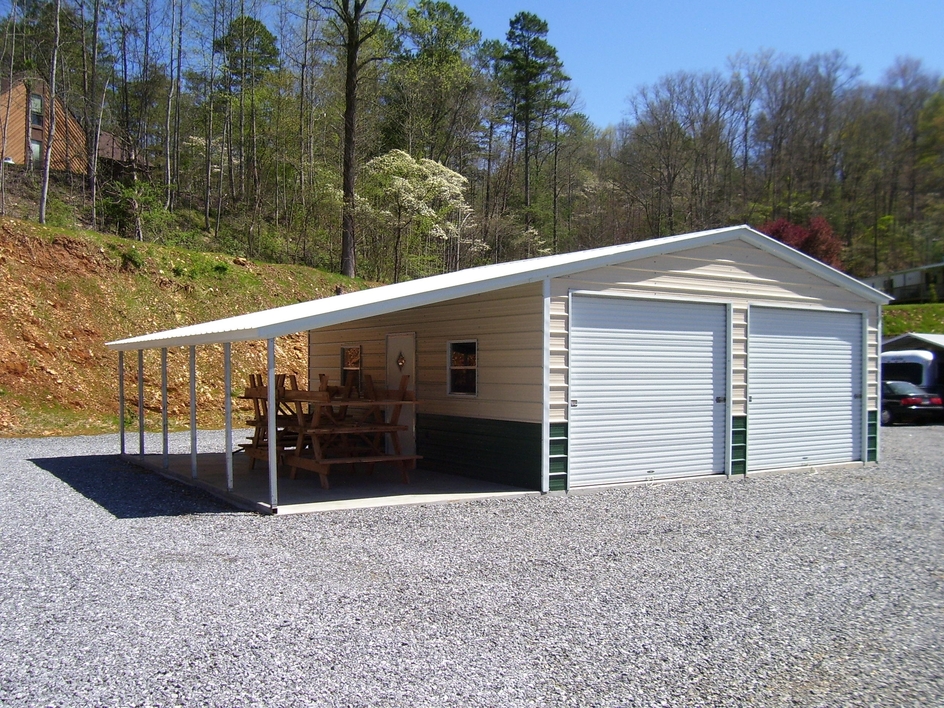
x,y
647,389
805,387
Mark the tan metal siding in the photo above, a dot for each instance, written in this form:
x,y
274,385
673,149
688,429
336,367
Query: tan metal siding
x,y
508,325
559,359
734,272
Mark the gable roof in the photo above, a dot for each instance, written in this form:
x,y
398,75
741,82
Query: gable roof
x,y
315,314
916,338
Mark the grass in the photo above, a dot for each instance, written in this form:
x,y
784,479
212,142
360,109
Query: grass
x,y
901,319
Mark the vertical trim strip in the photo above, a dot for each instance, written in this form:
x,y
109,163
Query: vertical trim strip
x,y
193,411
228,411
546,408
747,389
141,402
878,385
864,403
273,452
165,461
121,401
728,387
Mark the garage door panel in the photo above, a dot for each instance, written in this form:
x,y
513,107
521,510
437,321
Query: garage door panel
x,y
645,376
804,374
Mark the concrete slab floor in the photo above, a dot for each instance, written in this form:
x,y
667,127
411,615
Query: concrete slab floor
x,y
350,488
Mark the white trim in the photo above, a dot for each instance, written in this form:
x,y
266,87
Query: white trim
x,y
546,383
228,411
121,401
193,411
803,308
864,447
348,307
878,384
271,432
141,402
460,394
165,462
729,388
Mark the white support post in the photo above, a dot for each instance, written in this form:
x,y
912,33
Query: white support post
x,y
193,411
121,400
228,405
141,402
166,459
273,452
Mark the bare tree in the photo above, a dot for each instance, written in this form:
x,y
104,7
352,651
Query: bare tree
x,y
51,133
353,24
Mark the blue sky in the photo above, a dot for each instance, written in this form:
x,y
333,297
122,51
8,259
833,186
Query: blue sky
x,y
610,48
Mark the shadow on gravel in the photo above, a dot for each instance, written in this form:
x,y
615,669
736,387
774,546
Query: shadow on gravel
x,y
127,491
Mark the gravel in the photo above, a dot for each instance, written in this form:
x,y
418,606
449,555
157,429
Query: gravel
x,y
823,588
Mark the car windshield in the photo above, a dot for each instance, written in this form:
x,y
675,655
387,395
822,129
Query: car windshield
x,y
903,388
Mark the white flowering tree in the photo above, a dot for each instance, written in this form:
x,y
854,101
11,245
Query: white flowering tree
x,y
414,215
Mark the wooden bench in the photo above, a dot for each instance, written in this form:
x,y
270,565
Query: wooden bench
x,y
327,437
323,467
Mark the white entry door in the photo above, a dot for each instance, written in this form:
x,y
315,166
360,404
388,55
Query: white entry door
x,y
401,361
805,385
648,389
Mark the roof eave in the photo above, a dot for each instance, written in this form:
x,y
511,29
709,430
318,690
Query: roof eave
x,y
500,280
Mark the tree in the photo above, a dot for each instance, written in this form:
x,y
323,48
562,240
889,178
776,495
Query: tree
x,y
817,239
420,202
434,84
535,81
51,132
353,23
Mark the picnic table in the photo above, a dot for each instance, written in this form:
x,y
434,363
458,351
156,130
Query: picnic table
x,y
329,427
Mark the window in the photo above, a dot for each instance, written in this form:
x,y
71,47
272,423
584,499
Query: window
x,y
36,110
462,375
351,367
36,150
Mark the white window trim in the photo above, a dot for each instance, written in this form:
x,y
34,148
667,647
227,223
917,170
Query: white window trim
x,y
449,368
360,369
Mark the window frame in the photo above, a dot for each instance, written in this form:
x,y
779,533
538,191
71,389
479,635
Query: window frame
x,y
36,151
37,118
359,381
450,368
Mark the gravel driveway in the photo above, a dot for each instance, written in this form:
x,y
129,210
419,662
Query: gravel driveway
x,y
118,588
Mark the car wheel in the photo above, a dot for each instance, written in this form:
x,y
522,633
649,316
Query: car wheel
x,y
887,418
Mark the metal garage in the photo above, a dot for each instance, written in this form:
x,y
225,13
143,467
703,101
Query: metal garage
x,y
805,386
648,382
723,351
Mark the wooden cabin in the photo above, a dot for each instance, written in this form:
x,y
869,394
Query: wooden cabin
x,y
25,111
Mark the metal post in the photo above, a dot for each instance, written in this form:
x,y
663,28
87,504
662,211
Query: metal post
x,y
228,403
193,411
121,400
273,456
141,402
166,458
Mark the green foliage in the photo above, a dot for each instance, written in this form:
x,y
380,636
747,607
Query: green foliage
x,y
131,259
249,51
59,214
901,319
195,265
410,204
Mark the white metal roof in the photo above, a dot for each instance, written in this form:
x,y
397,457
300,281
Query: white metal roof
x,y
936,340
315,314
